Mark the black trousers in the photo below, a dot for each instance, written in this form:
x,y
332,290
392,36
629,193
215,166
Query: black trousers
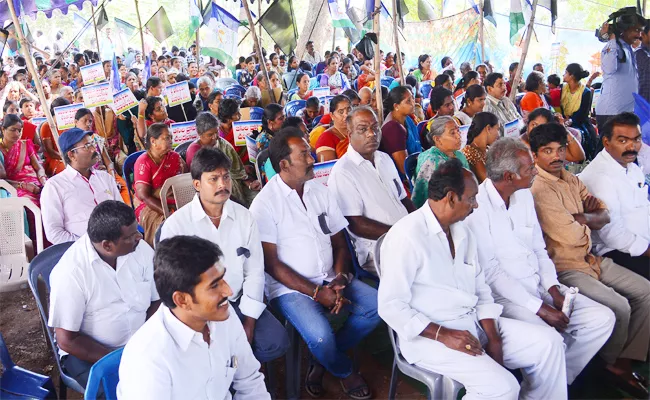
x,y
638,264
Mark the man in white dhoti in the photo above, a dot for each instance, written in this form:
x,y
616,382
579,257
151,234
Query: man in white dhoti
x,y
433,294
512,252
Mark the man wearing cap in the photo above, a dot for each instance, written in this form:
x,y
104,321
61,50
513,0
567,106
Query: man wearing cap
x,y
69,197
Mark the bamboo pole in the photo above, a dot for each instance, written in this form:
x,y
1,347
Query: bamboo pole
x,y
524,52
398,53
481,27
375,28
258,49
24,49
99,51
259,16
333,39
198,47
137,12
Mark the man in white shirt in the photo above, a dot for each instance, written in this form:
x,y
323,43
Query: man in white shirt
x,y
213,216
312,56
615,179
194,347
138,63
517,267
434,295
307,263
367,186
102,289
69,197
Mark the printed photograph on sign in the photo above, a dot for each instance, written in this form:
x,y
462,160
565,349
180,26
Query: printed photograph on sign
x,y
322,171
178,93
124,100
251,147
92,73
64,115
241,129
183,131
97,95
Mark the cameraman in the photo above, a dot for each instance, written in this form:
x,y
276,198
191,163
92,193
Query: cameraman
x,y
619,67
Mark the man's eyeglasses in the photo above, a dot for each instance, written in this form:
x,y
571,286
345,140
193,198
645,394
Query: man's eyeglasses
x,y
87,146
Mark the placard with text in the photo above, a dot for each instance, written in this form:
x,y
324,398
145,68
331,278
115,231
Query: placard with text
x,y
64,115
183,131
178,93
92,73
97,95
241,129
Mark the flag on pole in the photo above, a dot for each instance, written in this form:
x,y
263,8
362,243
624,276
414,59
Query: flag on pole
x,y
278,21
340,18
221,40
488,13
195,18
550,5
115,75
146,72
125,27
159,25
102,19
516,19
243,19
473,4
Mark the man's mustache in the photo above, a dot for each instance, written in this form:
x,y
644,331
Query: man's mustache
x,y
224,191
631,153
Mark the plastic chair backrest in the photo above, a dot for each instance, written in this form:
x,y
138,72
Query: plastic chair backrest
x,y
358,271
127,170
41,266
292,107
257,112
291,92
387,80
316,121
182,190
106,372
239,90
181,149
5,358
355,85
410,164
7,186
223,83
13,254
232,96
518,98
425,89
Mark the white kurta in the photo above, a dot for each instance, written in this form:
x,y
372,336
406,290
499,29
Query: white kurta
x,y
422,283
520,273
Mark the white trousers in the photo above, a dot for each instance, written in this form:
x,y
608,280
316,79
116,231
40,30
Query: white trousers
x,y
538,351
590,326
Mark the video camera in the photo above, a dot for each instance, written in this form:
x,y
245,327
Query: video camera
x,y
620,21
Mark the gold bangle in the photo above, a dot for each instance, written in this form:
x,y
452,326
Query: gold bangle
x,y
438,332
313,297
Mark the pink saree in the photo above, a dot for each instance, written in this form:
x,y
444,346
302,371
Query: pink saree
x,y
18,165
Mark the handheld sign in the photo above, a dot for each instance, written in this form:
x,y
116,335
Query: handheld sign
x,y
97,95
123,100
65,115
463,135
321,92
459,100
241,129
251,147
183,131
594,100
325,102
92,73
322,171
38,120
512,128
178,93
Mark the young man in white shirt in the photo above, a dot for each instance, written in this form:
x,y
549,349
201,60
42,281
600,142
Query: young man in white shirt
x,y
615,179
367,186
194,347
307,264
517,267
433,294
312,56
69,197
102,289
213,216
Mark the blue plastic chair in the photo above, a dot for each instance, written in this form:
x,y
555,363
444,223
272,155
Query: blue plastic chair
x,y
292,107
359,272
425,89
127,171
313,83
355,85
41,267
291,92
19,383
410,164
237,90
387,80
316,121
104,371
257,112
181,149
232,96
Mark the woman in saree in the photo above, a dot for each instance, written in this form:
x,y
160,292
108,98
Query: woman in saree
x,y
151,170
83,119
333,143
399,135
151,110
53,162
333,78
576,101
23,170
229,113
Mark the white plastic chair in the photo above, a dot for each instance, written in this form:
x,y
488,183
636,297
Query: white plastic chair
x,y
439,387
7,186
182,190
14,257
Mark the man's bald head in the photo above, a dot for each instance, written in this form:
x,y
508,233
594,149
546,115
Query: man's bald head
x,y
365,94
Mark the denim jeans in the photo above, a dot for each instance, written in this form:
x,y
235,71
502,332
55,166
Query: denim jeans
x,y
310,320
270,339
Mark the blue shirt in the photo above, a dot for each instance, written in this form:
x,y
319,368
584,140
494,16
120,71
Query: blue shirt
x,y
619,80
